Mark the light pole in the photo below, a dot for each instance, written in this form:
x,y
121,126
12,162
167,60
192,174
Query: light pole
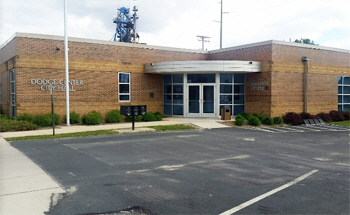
x,y
66,62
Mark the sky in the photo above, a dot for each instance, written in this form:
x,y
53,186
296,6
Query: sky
x,y
177,23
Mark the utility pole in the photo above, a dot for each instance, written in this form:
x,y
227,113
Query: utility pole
x,y
221,27
221,24
203,39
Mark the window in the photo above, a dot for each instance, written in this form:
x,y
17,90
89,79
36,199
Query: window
x,y
232,92
13,92
343,93
173,94
124,86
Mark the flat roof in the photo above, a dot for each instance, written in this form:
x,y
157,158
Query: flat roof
x,y
144,46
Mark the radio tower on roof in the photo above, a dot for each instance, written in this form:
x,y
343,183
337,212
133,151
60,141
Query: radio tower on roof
x,y
126,26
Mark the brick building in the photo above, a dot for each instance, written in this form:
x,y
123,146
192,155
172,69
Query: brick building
x,y
267,77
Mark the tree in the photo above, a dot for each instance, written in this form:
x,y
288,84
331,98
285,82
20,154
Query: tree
x,y
306,41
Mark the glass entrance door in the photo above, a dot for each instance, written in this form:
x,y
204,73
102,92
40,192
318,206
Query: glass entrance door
x,y
201,100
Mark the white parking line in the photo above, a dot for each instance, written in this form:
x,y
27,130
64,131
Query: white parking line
x,y
274,129
256,199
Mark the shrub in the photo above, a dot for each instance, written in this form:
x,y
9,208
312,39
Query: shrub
x,y
267,121
336,116
14,125
277,120
25,117
245,115
57,118
239,121
254,121
4,116
305,115
74,118
325,117
292,118
149,117
1,110
114,116
92,118
138,118
239,117
42,120
346,115
261,117
158,116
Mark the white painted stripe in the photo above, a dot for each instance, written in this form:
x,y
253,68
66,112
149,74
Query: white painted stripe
x,y
304,127
256,199
274,129
260,129
293,129
72,174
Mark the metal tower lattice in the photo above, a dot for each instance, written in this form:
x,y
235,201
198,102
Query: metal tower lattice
x,y
126,26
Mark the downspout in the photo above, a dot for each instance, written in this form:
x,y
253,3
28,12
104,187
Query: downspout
x,y
306,80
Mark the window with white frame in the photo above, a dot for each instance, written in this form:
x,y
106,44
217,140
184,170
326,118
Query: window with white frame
x,y
343,93
124,86
13,92
232,92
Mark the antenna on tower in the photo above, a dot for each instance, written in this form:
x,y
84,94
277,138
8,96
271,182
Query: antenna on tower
x,y
204,39
126,26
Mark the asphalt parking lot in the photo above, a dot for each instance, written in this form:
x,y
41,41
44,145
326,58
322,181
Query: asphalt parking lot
x,y
199,172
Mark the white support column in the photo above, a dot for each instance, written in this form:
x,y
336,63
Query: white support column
x,y
66,62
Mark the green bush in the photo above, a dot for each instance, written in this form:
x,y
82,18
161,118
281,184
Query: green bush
x,y
267,121
74,118
239,121
92,118
138,118
158,116
254,121
25,117
4,116
245,115
57,118
114,116
240,117
261,117
42,120
277,120
14,125
1,110
149,117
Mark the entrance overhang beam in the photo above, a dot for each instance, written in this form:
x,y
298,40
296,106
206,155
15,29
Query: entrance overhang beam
x,y
214,66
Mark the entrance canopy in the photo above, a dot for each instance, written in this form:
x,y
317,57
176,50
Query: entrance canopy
x,y
210,66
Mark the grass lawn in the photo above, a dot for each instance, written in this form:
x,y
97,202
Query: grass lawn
x,y
68,135
171,127
97,133
344,123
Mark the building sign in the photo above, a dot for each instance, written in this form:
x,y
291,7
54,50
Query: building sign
x,y
258,86
58,85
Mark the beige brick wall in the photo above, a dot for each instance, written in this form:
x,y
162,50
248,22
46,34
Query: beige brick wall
x,y
98,66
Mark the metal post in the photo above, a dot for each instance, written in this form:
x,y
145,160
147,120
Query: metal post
x,y
133,121
306,80
53,112
221,27
66,63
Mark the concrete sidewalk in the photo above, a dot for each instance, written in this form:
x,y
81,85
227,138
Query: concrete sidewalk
x,y
206,123
24,187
